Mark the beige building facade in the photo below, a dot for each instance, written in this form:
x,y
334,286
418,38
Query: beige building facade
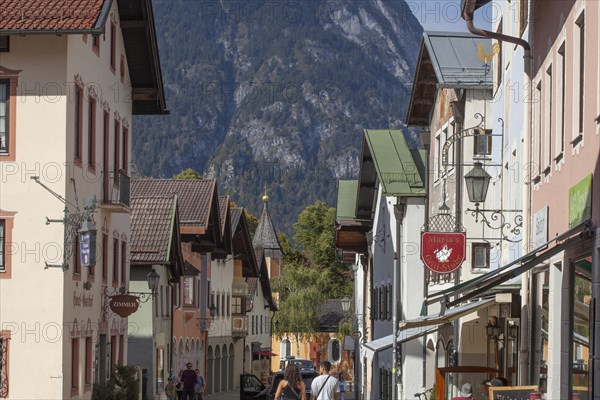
x,y
69,100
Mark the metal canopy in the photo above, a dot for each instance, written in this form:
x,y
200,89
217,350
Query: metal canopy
x,y
386,342
448,316
398,169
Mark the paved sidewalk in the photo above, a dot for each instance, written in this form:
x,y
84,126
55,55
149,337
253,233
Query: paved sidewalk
x,y
234,395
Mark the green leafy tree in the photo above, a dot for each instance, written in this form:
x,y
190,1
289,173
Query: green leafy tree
x,y
122,385
188,174
311,273
315,236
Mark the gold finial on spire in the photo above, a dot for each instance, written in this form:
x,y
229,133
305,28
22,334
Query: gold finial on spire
x,y
265,198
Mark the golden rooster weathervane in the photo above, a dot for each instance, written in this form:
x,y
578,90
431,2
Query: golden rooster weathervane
x,y
486,57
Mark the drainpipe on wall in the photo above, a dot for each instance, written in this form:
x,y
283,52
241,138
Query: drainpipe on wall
x,y
525,334
397,390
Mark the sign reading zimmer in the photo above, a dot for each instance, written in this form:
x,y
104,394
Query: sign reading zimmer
x,y
124,304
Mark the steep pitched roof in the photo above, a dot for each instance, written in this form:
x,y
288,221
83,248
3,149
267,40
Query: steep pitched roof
x,y
196,197
64,17
19,15
399,170
198,207
265,236
329,315
446,59
241,244
152,220
224,229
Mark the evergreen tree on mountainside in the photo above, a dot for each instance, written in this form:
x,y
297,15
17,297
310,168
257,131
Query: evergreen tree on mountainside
x,y
276,93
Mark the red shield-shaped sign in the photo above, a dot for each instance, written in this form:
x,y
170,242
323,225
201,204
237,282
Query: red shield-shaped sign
x,y
443,252
124,304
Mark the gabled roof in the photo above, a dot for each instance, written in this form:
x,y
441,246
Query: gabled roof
x,y
198,206
349,230
265,236
225,228
345,209
52,15
241,243
399,170
329,315
64,17
447,59
155,232
152,220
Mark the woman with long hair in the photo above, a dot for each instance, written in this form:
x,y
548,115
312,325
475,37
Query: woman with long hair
x,y
291,386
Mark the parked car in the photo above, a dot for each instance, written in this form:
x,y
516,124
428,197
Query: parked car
x,y
301,363
251,388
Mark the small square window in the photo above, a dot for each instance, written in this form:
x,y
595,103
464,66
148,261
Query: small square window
x,y
4,44
481,255
483,142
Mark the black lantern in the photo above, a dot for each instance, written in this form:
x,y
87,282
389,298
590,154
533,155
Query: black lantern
x,y
153,277
477,181
87,243
212,310
493,330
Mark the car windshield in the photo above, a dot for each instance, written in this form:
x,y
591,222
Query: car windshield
x,y
303,364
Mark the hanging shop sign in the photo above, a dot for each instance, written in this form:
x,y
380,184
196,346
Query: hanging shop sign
x,y
124,304
443,252
580,202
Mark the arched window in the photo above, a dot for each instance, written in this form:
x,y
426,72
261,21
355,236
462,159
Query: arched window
x,y
334,351
440,360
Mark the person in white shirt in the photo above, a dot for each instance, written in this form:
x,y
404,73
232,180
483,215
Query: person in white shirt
x,y
325,386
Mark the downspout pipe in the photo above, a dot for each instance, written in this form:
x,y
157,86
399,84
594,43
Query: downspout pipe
x,y
468,17
525,334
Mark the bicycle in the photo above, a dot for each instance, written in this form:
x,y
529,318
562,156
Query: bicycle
x,y
423,395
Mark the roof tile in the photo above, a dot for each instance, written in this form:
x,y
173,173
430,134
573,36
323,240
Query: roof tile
x,y
194,196
49,14
151,228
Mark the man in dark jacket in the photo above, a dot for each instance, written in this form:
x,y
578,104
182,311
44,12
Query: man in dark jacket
x,y
189,380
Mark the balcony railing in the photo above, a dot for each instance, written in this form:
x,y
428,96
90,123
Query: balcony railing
x,y
115,192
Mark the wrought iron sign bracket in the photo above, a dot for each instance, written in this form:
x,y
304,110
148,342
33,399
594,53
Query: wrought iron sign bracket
x,y
497,220
71,222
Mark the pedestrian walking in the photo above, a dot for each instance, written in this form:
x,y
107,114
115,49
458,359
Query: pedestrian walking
x,y
325,386
189,381
179,386
170,391
291,386
199,385
342,385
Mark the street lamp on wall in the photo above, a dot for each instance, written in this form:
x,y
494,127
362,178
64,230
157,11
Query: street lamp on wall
x,y
478,182
346,304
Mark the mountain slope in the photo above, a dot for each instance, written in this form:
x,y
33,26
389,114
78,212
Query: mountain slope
x,y
276,93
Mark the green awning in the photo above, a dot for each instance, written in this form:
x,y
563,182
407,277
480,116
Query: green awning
x,y
346,200
398,168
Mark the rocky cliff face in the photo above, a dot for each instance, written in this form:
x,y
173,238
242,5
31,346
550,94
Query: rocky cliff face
x,y
276,93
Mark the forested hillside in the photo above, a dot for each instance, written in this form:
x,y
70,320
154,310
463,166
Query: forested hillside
x,y
276,94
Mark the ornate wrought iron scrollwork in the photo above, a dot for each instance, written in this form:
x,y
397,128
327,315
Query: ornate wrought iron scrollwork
x,y
497,220
4,341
